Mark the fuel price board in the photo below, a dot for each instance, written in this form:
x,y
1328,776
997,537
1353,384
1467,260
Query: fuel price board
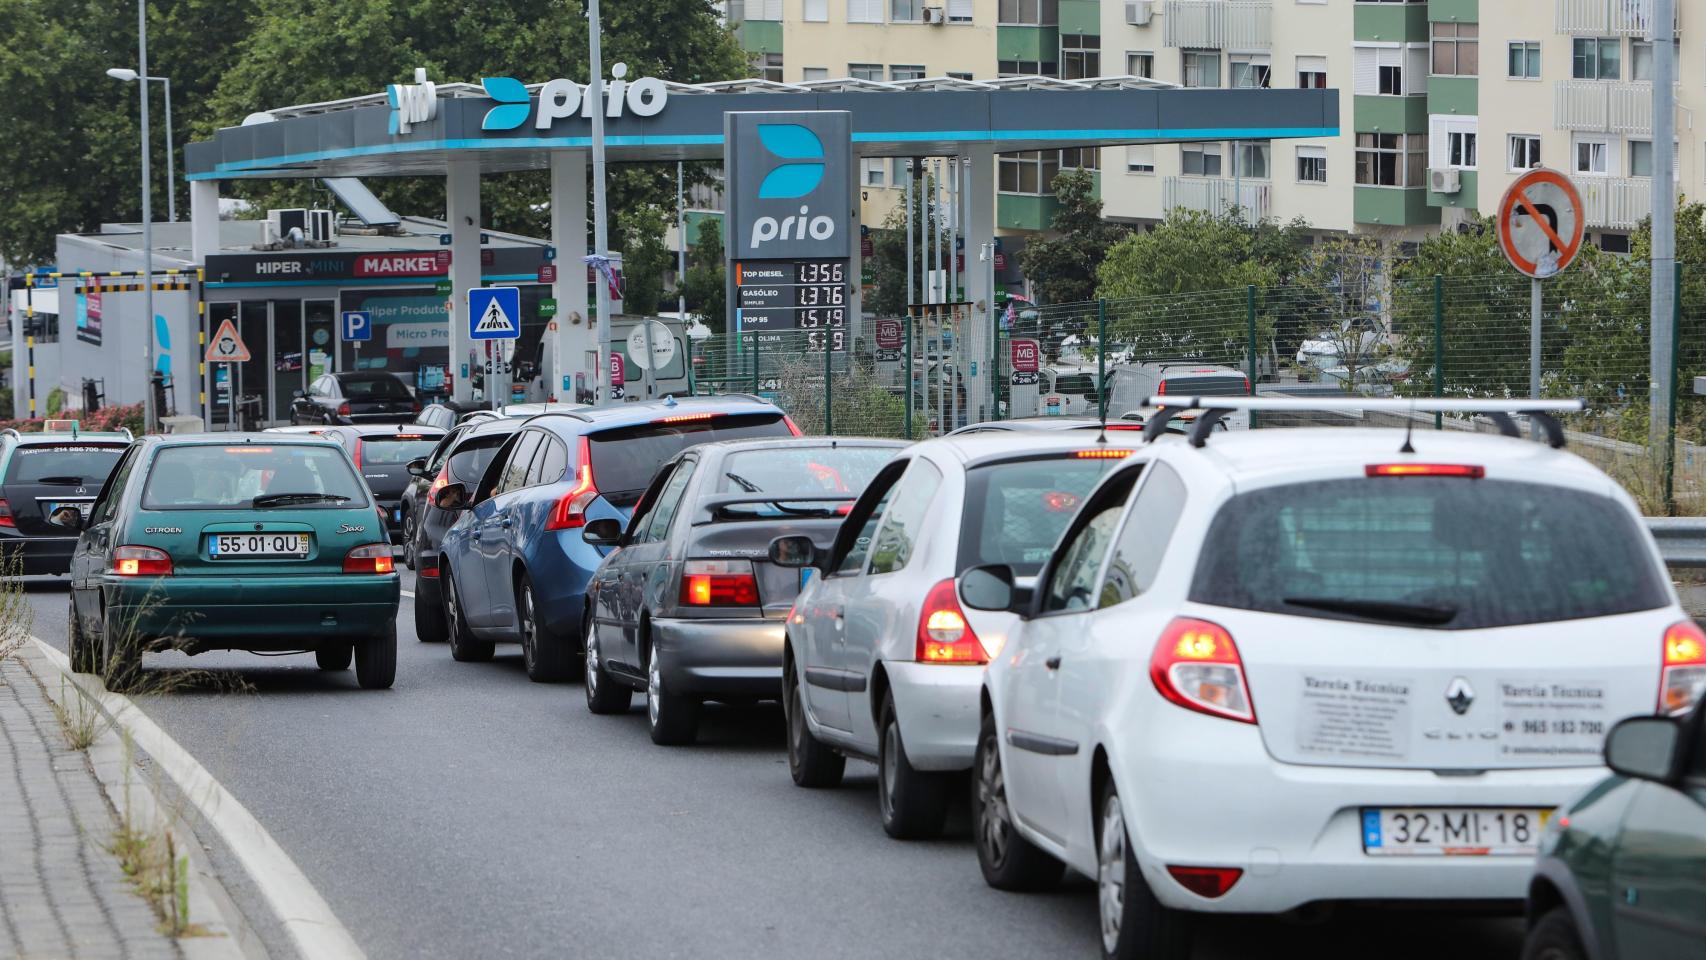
x,y
778,295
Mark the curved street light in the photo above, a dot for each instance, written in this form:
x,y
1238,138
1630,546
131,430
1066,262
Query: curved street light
x,y
127,75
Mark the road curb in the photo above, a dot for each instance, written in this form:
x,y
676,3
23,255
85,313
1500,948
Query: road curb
x,y
314,930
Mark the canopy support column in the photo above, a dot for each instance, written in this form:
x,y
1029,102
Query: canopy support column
x,y
204,219
979,200
462,209
572,350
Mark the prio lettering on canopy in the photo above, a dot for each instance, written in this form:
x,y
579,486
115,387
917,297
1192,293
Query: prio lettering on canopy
x,y
560,99
766,229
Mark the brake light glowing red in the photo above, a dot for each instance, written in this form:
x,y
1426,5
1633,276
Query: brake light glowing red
x,y
356,455
343,409
369,558
944,636
718,583
1682,681
6,519
1470,471
1196,665
135,561
793,427
687,417
1210,882
570,511
1102,453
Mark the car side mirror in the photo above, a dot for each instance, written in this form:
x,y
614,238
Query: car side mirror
x,y
1644,748
297,394
796,552
604,532
68,517
451,497
417,468
988,587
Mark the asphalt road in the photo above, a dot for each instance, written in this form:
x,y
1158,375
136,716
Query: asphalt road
x,y
470,813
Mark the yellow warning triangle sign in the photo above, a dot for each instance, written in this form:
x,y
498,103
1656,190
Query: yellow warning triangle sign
x,y
226,346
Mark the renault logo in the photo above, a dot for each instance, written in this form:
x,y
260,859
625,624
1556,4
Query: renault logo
x,y
1460,695
795,143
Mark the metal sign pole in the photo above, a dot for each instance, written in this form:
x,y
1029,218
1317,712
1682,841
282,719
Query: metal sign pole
x,y
230,398
1534,337
1663,290
648,377
600,222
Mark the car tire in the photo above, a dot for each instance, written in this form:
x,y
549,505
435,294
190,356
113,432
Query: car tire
x,y
811,763
1008,860
463,647
547,657
376,660
429,620
408,536
672,718
334,657
604,694
1135,926
1554,937
121,663
913,803
83,659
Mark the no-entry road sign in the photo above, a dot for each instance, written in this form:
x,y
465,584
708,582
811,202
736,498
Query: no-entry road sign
x,y
1540,223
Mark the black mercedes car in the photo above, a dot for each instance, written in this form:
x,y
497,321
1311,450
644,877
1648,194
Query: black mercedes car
x,y
41,472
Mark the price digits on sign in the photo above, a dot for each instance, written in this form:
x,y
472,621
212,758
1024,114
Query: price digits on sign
x,y
820,271
813,318
824,296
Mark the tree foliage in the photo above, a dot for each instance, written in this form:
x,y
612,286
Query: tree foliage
x,y
705,276
645,259
1062,265
888,248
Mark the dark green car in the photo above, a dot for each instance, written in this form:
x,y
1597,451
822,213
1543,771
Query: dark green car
x,y
209,542
1622,870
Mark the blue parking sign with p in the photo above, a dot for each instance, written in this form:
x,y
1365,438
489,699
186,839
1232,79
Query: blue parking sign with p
x,y
357,326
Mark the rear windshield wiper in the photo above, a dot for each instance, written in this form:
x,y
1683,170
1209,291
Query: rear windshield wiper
x,y
745,484
735,511
280,499
1391,610
60,481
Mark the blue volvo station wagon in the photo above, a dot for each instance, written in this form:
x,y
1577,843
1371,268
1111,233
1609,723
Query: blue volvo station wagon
x,y
514,568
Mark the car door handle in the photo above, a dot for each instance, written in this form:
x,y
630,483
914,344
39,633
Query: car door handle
x,y
506,523
1053,663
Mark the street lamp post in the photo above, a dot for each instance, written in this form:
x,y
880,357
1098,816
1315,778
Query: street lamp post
x,y
129,76
148,411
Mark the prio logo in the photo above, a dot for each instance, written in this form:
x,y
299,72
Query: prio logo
x,y
790,141
412,103
766,229
559,99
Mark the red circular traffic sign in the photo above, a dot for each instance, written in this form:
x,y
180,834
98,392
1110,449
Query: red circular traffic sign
x,y
1540,223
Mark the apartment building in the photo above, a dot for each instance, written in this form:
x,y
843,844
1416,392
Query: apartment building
x,y
1448,102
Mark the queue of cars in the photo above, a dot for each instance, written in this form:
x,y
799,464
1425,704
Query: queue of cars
x,y
1248,672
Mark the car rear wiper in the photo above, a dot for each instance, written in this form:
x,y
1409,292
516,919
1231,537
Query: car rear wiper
x,y
745,484
280,499
1391,610
60,481
733,511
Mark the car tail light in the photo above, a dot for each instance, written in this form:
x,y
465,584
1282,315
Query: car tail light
x,y
343,409
416,405
1210,882
793,427
1059,501
1102,453
356,454
944,636
426,566
1683,679
133,561
1470,471
369,558
718,583
1196,665
570,511
6,519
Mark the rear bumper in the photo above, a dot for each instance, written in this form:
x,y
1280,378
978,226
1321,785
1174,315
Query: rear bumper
x,y
937,707
251,613
40,554
712,658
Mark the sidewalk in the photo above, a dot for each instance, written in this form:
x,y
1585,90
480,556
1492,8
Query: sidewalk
x,y
62,893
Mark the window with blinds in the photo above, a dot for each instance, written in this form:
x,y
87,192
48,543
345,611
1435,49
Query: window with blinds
x,y
959,11
1390,71
816,11
864,11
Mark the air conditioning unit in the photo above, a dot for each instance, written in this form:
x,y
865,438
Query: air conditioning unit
x,y
1445,181
322,226
934,16
283,220
1138,13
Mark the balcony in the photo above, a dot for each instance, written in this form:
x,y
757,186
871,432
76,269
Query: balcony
x,y
1218,24
1607,18
1616,203
1217,194
1603,106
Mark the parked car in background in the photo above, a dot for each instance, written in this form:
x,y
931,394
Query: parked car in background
x,y
1380,661
881,660
689,607
360,397
1023,424
382,455
1622,869
514,568
1129,388
443,416
41,472
208,542
461,457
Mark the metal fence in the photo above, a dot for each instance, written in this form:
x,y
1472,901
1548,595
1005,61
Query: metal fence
x,y
1431,336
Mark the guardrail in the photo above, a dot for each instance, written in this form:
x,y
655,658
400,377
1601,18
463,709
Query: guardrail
x,y
1682,541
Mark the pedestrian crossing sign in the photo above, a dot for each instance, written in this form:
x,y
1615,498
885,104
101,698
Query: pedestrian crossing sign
x,y
494,313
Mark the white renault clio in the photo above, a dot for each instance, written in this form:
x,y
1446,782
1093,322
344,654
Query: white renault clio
x,y
1297,666
881,662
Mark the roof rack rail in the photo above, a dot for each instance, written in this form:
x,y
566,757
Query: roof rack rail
x,y
1542,412
13,431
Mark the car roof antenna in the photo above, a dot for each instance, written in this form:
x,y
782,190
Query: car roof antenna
x,y
1409,426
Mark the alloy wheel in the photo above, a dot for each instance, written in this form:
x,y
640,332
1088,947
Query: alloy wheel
x,y
992,807
452,607
591,664
654,689
529,632
1110,872
889,769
